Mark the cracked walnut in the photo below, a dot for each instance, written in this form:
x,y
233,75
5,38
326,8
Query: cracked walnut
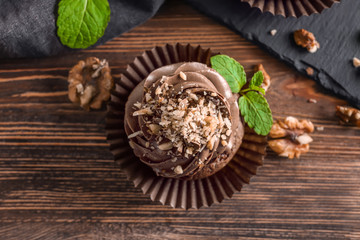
x,y
289,137
306,40
90,83
348,115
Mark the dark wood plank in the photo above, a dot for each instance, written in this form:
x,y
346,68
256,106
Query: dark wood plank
x,y
58,179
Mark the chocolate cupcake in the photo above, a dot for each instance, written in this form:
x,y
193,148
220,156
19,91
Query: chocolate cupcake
x,y
183,121
224,170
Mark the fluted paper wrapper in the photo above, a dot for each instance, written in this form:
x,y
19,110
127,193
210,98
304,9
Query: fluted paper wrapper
x,y
175,192
291,8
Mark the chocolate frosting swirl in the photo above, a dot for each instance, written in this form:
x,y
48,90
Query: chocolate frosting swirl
x,y
183,121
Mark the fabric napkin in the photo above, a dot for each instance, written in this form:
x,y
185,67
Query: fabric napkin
x,y
28,28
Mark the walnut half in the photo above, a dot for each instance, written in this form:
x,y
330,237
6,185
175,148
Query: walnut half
x,y
348,115
90,83
289,137
306,40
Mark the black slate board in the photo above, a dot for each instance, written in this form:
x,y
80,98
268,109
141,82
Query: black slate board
x,y
337,30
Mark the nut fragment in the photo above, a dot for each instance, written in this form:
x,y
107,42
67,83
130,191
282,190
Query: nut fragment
x,y
80,88
183,76
320,128
304,139
228,132
348,115
266,83
273,32
193,96
311,100
210,144
158,91
90,82
289,137
306,40
135,134
154,128
144,111
178,169
166,146
137,105
86,95
309,71
356,62
148,97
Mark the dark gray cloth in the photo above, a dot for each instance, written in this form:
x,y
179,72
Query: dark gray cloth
x,y
337,29
28,27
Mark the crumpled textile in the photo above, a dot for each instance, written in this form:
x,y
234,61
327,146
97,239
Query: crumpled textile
x,y
28,28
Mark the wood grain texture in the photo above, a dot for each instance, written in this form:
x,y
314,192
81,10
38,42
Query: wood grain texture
x,y
58,179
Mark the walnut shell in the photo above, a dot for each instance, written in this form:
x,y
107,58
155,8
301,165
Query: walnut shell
x,y
348,115
90,83
289,137
306,40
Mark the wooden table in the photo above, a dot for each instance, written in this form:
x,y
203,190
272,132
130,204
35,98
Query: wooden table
x,y
58,179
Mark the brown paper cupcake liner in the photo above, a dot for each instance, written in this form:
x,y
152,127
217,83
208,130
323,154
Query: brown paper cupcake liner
x,y
291,8
175,192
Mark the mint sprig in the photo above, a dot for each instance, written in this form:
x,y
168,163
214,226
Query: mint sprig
x,y
82,22
257,79
231,70
257,114
252,103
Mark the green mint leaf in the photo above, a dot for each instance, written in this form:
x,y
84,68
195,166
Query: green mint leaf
x,y
245,90
231,70
253,88
256,112
258,89
82,22
257,79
